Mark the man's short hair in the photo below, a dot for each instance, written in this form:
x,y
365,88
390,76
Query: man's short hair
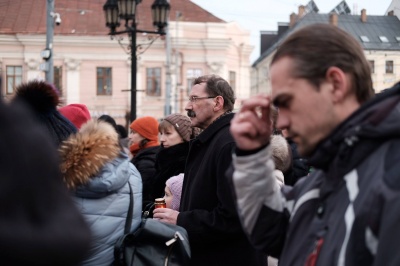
x,y
217,86
317,47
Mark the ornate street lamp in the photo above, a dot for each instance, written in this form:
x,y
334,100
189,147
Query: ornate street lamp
x,y
125,9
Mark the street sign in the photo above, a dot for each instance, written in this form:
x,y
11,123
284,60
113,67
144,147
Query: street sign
x,y
44,67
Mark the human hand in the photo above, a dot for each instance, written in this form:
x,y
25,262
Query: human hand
x,y
252,125
165,215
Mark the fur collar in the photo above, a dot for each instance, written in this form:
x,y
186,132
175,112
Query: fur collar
x,y
85,153
281,152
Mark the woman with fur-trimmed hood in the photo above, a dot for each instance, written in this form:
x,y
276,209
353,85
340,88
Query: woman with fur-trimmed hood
x,y
98,171
93,166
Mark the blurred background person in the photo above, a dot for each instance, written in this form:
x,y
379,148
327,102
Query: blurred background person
x,y
39,222
124,139
144,148
77,113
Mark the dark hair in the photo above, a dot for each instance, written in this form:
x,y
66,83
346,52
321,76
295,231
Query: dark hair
x,y
318,47
110,120
217,86
143,143
122,132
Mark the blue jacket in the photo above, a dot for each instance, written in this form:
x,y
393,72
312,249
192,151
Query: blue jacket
x,y
99,181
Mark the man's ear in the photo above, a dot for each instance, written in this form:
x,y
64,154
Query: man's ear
x,y
219,103
340,83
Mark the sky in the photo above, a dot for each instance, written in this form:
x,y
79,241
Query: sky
x,y
263,15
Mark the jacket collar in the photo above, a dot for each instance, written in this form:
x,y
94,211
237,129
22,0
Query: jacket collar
x,y
367,128
217,125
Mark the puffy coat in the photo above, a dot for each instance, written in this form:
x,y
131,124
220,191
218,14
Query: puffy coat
x,y
97,172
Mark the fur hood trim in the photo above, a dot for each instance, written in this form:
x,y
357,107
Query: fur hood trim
x,y
281,153
85,153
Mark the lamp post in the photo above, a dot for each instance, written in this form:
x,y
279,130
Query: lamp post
x,y
125,9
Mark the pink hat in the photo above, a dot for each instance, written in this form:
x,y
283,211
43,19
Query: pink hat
x,y
175,186
77,113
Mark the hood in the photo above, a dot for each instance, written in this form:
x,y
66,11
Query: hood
x,y
364,131
280,153
84,154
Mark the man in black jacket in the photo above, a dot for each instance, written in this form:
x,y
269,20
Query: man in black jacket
x,y
207,209
346,212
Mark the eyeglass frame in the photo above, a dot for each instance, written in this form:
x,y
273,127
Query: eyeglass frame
x,y
193,99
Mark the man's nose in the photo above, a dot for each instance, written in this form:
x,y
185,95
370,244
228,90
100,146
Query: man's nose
x,y
189,106
282,122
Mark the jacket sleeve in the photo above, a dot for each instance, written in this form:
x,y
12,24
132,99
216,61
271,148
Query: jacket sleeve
x,y
222,222
137,187
387,214
260,203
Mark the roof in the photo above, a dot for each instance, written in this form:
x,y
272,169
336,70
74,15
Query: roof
x,y
388,26
85,17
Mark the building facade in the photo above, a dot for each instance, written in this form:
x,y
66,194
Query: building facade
x,y
93,69
378,35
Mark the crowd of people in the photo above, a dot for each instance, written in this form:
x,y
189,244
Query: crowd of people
x,y
306,175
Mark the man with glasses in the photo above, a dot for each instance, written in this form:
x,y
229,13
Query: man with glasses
x,y
346,212
207,209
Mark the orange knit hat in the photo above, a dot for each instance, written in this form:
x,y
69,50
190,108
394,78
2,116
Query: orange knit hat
x,y
146,126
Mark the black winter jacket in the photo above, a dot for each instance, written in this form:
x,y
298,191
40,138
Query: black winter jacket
x,y
145,162
169,162
347,212
207,209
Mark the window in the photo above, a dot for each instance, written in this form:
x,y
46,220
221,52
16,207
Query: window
x,y
192,74
153,79
232,79
58,78
383,39
389,67
364,38
104,81
13,78
372,66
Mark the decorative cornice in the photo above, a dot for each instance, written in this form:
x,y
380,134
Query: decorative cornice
x,y
33,64
215,67
72,64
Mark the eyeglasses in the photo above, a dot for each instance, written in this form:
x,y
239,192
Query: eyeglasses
x,y
193,99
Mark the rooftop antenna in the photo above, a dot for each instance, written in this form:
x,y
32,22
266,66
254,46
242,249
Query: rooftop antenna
x,y
355,9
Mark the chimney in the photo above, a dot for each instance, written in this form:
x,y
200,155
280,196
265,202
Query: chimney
x,y
391,13
333,18
302,11
364,15
292,20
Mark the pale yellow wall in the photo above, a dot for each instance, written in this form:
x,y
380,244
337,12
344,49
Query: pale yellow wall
x,y
380,79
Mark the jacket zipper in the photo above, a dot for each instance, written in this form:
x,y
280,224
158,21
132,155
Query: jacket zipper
x,y
313,257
